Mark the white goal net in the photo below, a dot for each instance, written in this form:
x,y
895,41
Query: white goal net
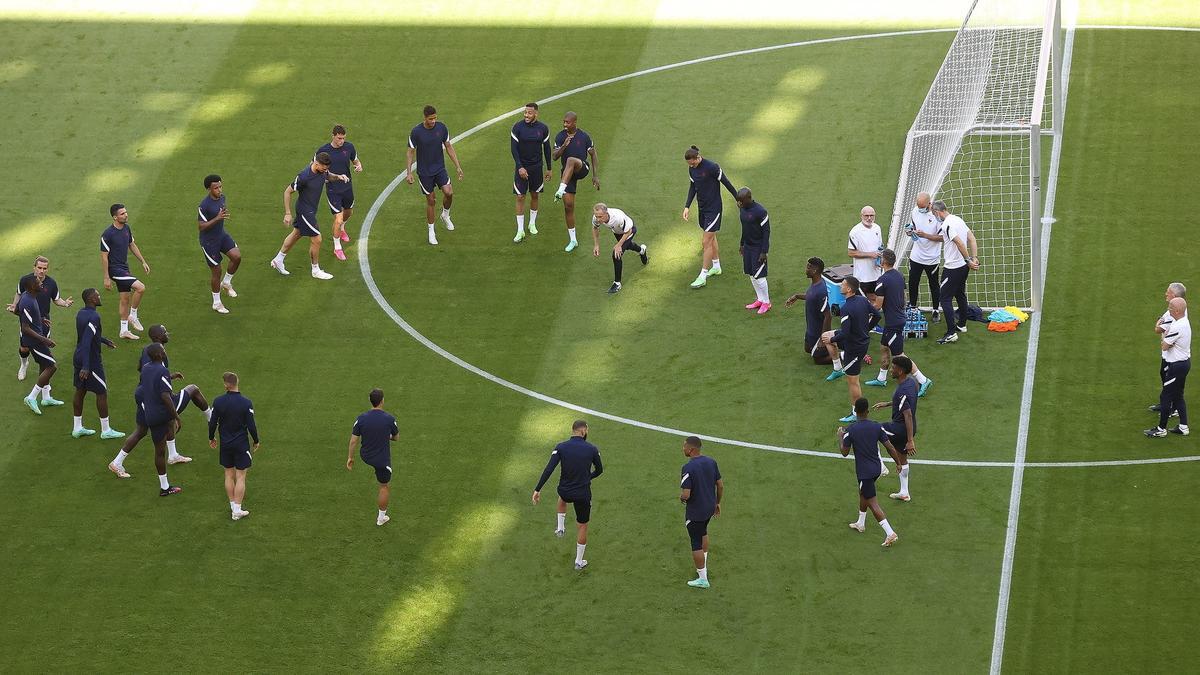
x,y
976,143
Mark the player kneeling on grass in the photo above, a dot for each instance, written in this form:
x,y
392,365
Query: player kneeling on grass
x,y
756,240
578,457
903,426
864,437
233,414
623,228
702,490
376,429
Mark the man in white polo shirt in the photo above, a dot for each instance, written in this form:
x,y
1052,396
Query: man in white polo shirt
x,y
1174,290
866,241
1177,359
925,255
623,228
961,255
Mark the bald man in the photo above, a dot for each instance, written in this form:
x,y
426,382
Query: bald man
x,y
925,255
866,241
574,147
1176,344
1174,290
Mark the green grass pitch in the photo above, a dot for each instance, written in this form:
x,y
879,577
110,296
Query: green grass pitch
x,y
102,575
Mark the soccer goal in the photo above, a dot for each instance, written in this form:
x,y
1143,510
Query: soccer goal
x,y
978,143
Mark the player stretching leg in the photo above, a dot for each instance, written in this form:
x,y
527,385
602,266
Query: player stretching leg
x,y
115,245
215,242
376,429
307,184
574,147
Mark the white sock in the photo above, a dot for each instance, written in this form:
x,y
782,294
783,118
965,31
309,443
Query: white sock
x,y
124,326
862,518
227,279
562,521
703,272
766,295
706,560
571,234
886,528
77,422
579,553
904,480
883,374
216,297
532,217
46,393
445,213
172,453
207,413
316,267
431,227
382,512
716,263
104,425
837,363
757,290
521,223
280,256
24,361
34,393
162,482
337,244
133,313
562,187
233,507
920,377
119,460
703,572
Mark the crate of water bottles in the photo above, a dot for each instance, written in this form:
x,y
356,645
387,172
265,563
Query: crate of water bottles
x,y
915,323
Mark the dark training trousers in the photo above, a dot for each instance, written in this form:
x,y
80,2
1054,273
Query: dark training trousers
x,y
1171,399
629,245
954,289
915,270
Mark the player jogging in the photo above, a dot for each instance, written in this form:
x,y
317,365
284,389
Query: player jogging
x,y
574,147
189,394
159,418
233,415
215,241
701,491
624,229
889,297
89,369
115,244
581,465
340,194
530,145
426,141
307,184
376,429
48,295
754,244
903,427
706,179
35,338
817,317
864,437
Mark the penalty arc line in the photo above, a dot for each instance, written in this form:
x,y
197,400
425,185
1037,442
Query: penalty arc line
x,y
364,265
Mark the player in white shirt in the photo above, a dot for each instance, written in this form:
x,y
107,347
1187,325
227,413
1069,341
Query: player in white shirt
x,y
1176,347
925,255
866,241
1174,290
623,228
961,255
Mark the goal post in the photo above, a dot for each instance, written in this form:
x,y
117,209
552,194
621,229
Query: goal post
x,y
976,143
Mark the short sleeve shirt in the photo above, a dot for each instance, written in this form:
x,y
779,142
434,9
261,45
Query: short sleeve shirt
x,y
428,145
375,428
700,475
867,240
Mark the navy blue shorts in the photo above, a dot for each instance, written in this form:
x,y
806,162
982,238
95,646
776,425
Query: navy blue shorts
x,y
340,200
42,356
181,401
710,222
897,434
95,383
750,264
582,503
383,472
866,488
438,180
235,458
893,339
214,249
124,281
159,432
578,176
306,224
532,184
852,362
697,530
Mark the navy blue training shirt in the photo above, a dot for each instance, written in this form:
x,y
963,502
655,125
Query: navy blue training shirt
x,y
115,242
234,415
858,318
816,304
342,157
700,475
905,398
578,147
154,382
30,315
864,437
375,428
308,184
145,357
577,457
428,144
46,298
756,227
208,209
88,339
530,144
706,181
890,285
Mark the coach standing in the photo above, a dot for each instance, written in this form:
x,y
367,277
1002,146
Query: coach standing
x,y
961,256
1174,290
866,241
1177,359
